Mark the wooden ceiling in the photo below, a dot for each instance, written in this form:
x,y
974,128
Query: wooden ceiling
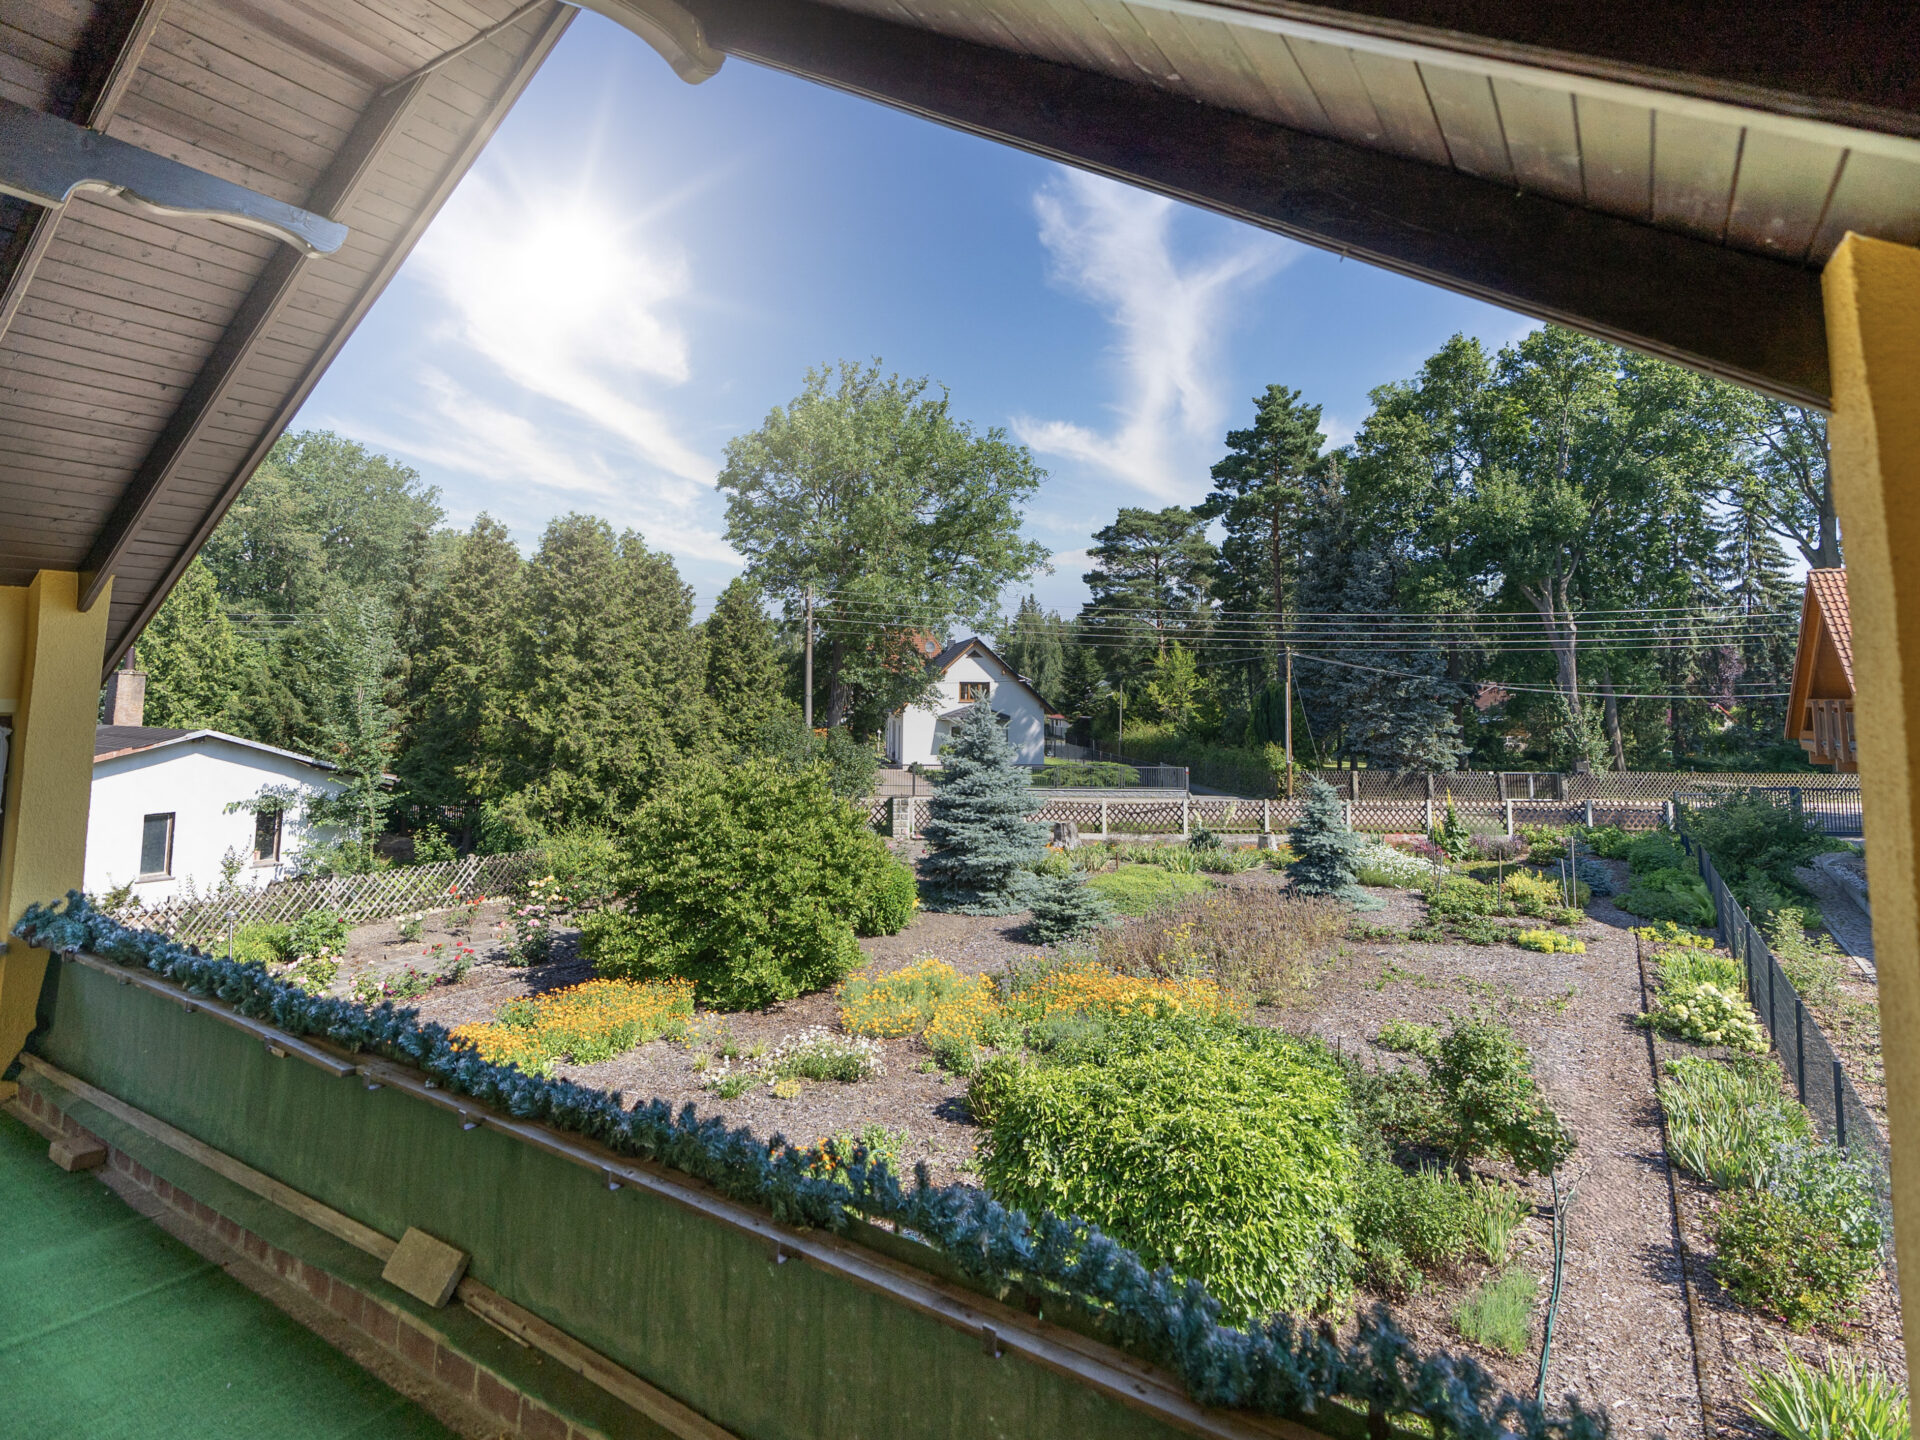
x,y
147,363
1668,173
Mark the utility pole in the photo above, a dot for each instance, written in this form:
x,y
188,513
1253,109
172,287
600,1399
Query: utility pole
x,y
1287,694
806,677
1121,743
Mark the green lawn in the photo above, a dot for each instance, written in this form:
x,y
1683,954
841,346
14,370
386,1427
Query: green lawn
x,y
1142,889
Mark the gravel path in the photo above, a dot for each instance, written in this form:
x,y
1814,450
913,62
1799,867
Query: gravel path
x,y
1622,1337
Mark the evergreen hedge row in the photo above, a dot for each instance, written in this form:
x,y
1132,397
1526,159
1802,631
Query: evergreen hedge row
x,y
1285,1366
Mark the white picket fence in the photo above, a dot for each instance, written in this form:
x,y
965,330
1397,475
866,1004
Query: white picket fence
x,y
381,895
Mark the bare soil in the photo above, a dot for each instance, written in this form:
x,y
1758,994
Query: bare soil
x,y
1623,1338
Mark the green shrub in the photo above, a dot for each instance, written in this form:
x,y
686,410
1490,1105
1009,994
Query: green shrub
x,y
1499,1312
263,943
1752,834
1142,889
1777,1256
1799,1402
1459,896
1220,1150
1452,836
846,764
1669,895
1086,774
1660,850
584,861
317,933
1493,1104
886,897
1066,907
1406,1222
1609,842
1707,1015
745,879
1409,1038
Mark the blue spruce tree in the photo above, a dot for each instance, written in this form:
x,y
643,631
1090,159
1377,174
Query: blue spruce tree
x,y
1065,907
981,847
1326,850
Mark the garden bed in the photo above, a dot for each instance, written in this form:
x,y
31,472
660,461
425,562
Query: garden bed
x,y
1623,1337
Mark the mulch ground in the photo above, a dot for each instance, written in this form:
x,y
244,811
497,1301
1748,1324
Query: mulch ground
x,y
1623,1337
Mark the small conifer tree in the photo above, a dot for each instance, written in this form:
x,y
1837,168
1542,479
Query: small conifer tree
x,y
981,846
1451,834
1326,848
1065,907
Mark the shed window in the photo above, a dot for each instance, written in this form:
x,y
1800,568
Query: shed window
x,y
266,837
972,690
156,847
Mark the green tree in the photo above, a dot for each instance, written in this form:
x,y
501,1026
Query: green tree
x,y
603,682
981,846
320,511
1790,457
1325,848
1150,583
745,680
1035,646
354,661
465,626
899,519
1262,496
195,662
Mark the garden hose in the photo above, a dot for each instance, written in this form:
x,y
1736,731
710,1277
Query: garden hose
x,y
1553,1296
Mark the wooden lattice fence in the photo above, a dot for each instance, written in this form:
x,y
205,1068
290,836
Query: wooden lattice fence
x,y
404,890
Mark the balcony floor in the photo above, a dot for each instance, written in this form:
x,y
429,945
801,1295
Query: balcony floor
x,y
111,1328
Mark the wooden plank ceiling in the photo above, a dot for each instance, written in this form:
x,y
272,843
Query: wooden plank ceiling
x,y
146,363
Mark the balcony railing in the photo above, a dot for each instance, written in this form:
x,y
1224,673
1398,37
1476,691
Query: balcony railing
x,y
1832,724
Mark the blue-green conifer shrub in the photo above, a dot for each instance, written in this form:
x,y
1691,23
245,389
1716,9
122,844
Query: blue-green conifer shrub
x,y
981,846
1326,851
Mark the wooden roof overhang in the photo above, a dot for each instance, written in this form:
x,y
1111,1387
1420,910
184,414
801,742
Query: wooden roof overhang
x,y
147,362
1670,174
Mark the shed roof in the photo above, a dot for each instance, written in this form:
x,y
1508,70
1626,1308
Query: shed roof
x,y
110,742
1826,627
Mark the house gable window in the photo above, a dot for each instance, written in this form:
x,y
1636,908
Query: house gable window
x,y
156,847
972,690
266,837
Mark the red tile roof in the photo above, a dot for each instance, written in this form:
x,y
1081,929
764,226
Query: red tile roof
x,y
1829,588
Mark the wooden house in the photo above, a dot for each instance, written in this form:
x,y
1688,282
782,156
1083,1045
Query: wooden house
x,y
1820,707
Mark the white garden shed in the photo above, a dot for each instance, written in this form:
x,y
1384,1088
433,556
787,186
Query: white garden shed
x,y
159,817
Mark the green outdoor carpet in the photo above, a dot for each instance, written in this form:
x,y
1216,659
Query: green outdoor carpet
x,y
109,1327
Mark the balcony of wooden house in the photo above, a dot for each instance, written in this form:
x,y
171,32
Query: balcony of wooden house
x,y
1820,704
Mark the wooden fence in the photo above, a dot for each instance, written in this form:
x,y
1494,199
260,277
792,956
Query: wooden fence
x,y
1130,812
381,895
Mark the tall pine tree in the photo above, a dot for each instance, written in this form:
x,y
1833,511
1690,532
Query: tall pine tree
x,y
195,661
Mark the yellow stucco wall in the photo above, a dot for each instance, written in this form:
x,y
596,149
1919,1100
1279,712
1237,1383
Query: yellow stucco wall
x,y
1873,335
52,651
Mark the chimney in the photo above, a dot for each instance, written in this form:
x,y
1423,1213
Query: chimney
x,y
127,697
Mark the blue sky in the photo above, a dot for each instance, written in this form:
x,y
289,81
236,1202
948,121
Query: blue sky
x,y
638,270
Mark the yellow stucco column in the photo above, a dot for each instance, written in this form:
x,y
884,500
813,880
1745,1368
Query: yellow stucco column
x,y
50,673
1872,293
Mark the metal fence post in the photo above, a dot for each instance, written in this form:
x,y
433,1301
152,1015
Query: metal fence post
x,y
1347,805
1186,815
1589,814
1266,817
1773,1003
1103,819
1429,808
1839,1105
1509,805
1800,1045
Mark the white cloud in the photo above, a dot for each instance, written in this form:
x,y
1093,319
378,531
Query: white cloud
x,y
569,305
1114,245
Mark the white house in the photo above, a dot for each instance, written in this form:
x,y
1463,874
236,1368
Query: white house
x,y
159,819
965,671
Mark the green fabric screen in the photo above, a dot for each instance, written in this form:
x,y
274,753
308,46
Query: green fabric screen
x,y
769,1351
